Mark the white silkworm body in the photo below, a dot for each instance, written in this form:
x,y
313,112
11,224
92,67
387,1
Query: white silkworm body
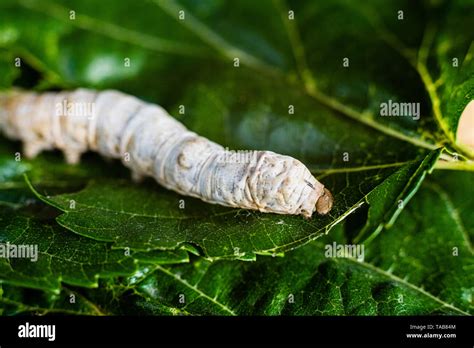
x,y
152,143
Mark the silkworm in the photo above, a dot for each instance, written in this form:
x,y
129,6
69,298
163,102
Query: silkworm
x,y
152,143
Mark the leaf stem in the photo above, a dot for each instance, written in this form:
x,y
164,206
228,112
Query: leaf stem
x,y
455,165
326,172
297,46
360,117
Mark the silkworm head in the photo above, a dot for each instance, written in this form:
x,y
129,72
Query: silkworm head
x,y
324,203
